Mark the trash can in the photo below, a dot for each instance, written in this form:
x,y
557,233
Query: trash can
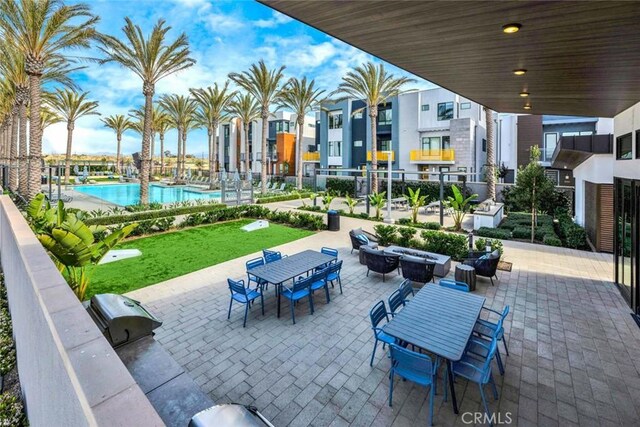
x,y
333,220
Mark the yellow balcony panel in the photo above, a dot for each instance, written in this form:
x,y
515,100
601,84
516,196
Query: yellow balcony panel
x,y
435,155
383,156
311,157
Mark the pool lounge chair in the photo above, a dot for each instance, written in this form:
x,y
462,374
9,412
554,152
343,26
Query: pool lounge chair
x,y
279,189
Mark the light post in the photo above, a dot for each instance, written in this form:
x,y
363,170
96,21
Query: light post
x,y
389,154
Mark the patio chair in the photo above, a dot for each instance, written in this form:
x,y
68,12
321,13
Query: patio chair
x,y
379,262
489,329
377,314
244,296
452,284
279,189
415,367
300,289
406,289
333,274
252,263
359,237
417,269
486,265
395,301
271,256
477,370
480,345
328,251
319,281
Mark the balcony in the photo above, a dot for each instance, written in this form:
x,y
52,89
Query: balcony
x,y
311,157
571,151
445,156
383,156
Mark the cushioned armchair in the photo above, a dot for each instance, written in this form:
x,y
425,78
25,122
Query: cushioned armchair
x,y
485,265
359,237
417,269
379,262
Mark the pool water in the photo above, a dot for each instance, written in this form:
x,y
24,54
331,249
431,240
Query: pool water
x,y
129,194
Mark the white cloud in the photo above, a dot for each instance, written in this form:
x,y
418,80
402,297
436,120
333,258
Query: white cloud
x,y
276,19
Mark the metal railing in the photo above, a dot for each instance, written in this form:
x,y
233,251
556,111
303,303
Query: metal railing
x,y
433,155
383,156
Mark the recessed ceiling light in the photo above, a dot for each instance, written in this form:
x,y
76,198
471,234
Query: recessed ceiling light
x,y
511,28
520,72
524,94
527,107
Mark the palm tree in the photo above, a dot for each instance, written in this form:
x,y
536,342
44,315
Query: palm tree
x,y
181,111
48,117
151,59
71,106
375,86
119,124
491,162
157,115
265,86
162,125
212,103
301,97
246,108
43,31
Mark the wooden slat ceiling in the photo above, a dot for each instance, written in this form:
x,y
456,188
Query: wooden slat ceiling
x,y
583,58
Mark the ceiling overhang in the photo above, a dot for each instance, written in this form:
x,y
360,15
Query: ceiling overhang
x,y
582,58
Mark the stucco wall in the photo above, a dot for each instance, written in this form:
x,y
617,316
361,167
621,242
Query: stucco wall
x,y
70,375
625,122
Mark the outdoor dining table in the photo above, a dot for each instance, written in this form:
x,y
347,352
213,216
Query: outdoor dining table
x,y
439,320
290,267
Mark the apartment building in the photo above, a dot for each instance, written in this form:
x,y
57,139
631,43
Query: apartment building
x,y
426,132
281,143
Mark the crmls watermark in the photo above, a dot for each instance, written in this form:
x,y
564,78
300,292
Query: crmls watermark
x,y
482,418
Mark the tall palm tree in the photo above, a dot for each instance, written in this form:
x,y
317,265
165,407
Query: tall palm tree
x,y
48,117
10,109
491,160
151,59
246,108
44,31
162,125
119,124
212,103
157,115
301,97
375,86
265,86
71,106
181,111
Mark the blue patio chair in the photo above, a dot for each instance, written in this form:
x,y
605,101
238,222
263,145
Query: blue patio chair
x,y
406,289
319,281
244,296
479,346
333,273
377,314
395,301
415,367
452,284
300,289
477,370
271,256
329,251
253,263
489,329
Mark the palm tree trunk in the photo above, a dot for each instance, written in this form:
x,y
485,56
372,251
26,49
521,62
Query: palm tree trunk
x,y
179,155
35,136
23,159
216,149
162,153
119,138
263,166
152,150
299,153
13,152
373,114
491,176
148,90
247,163
212,153
67,157
184,152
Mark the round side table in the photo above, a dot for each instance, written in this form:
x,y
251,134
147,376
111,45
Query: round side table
x,y
466,274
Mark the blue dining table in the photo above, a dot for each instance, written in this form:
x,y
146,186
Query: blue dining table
x,y
439,320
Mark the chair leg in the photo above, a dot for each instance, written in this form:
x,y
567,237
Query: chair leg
x,y
229,314
262,302
504,341
246,311
326,290
491,278
293,312
311,302
367,272
431,393
484,402
494,388
373,354
499,360
391,377
340,283
383,277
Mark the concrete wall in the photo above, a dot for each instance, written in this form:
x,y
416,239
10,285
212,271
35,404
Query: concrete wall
x,y
70,375
597,169
628,122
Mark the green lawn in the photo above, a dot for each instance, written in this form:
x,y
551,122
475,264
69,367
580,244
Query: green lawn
x,y
170,255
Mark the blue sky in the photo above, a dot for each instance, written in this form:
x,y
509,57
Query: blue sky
x,y
224,36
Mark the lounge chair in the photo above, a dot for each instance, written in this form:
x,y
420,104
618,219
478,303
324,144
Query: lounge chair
x,y
279,189
380,262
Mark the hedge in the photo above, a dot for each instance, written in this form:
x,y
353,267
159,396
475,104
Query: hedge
x,y
494,233
551,240
154,214
398,188
454,245
282,198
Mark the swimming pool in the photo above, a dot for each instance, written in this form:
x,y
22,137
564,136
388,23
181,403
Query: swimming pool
x,y
129,194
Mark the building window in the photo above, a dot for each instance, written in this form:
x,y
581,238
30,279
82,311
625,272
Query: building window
x,y
465,105
583,133
553,175
357,143
335,149
484,145
226,131
282,127
384,145
430,143
335,120
638,144
624,147
424,107
292,125
311,125
357,115
550,142
446,142
384,117
445,111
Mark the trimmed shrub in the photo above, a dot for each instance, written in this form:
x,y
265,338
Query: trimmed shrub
x,y
522,232
404,221
141,216
11,410
576,237
342,186
481,245
164,224
281,198
406,235
154,206
494,233
542,231
144,227
386,234
452,244
192,220
431,225
551,240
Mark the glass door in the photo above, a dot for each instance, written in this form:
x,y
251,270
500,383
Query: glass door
x,y
628,197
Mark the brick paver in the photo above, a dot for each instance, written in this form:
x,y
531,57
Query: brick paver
x,y
575,350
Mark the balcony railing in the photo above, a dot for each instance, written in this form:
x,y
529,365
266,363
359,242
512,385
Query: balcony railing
x,y
434,155
383,156
311,157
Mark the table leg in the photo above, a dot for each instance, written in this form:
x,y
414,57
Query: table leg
x,y
454,402
278,291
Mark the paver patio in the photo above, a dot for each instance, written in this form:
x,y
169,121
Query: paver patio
x,y
575,350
